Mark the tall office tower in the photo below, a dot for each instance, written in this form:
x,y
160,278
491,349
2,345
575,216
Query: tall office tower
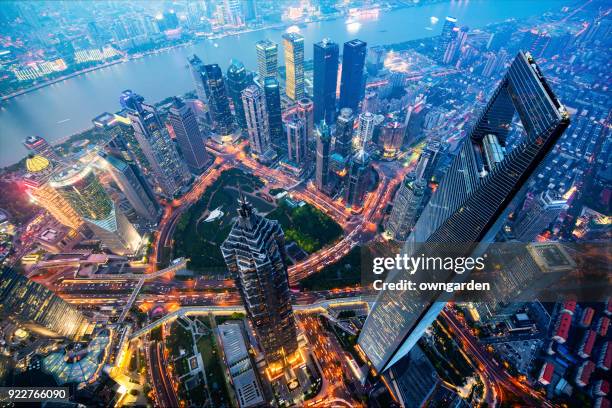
x,y
428,161
470,205
325,80
233,13
133,187
406,205
188,135
323,152
167,168
258,128
293,43
414,379
446,37
36,182
40,146
305,111
545,209
345,122
249,10
365,129
358,179
391,138
196,67
237,81
267,60
32,305
81,188
221,114
352,81
297,144
255,255
273,106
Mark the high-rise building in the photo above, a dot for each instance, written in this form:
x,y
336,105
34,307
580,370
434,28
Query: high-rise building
x,y
297,144
196,67
343,136
40,146
471,204
293,44
258,128
218,102
446,37
414,379
365,129
358,179
406,206
325,80
233,12
352,80
237,81
188,135
305,111
167,168
81,188
391,138
37,308
132,186
255,255
273,106
36,181
267,60
323,152
544,210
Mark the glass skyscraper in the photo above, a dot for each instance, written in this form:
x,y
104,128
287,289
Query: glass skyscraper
x,y
293,44
470,204
325,80
351,80
267,60
258,127
237,81
187,132
221,114
323,151
273,106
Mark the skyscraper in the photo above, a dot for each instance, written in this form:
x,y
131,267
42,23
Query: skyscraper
x,y
343,136
297,144
81,188
323,152
221,114
305,111
267,60
365,129
36,181
325,80
293,44
39,145
196,67
448,34
358,179
237,81
471,204
32,305
391,137
168,170
258,128
255,255
273,106
351,80
406,205
133,187
532,221
188,135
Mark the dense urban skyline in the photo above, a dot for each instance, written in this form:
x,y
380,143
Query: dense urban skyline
x,y
221,246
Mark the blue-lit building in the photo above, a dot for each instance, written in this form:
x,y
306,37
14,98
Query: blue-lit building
x,y
273,107
325,80
352,79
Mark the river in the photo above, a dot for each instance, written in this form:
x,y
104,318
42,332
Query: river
x,y
67,107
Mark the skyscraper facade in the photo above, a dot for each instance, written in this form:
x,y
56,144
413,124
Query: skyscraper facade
x,y
81,188
305,111
168,170
293,44
258,128
188,135
351,80
391,137
255,255
297,144
446,37
471,204
358,179
325,80
273,106
544,210
220,111
365,129
37,308
267,60
343,143
323,136
196,67
406,205
40,146
237,81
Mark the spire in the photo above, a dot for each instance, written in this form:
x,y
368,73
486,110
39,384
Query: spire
x,y
245,210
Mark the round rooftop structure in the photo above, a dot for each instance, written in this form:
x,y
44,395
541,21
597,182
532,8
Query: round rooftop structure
x,y
37,163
